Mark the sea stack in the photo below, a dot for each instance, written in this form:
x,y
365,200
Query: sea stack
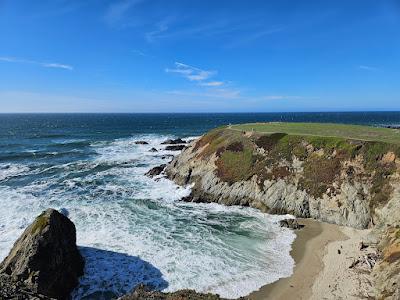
x,y
45,259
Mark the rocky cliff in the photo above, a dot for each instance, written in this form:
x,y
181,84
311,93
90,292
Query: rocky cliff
x,y
341,181
348,182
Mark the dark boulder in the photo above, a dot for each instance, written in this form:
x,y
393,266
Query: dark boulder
x,y
290,223
45,259
156,171
141,143
153,150
144,293
173,142
175,147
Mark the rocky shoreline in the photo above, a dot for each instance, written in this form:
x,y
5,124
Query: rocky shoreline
x,y
361,191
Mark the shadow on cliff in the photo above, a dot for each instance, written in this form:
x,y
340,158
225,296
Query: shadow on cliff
x,y
109,274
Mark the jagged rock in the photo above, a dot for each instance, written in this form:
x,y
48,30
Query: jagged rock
x,y
14,290
167,156
173,142
141,143
45,259
175,147
153,150
290,223
144,293
156,171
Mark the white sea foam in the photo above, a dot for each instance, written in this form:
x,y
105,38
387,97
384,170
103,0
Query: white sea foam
x,y
12,170
132,229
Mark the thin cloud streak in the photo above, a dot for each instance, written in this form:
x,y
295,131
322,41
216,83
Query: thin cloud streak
x,y
32,62
368,68
214,89
191,73
212,83
117,10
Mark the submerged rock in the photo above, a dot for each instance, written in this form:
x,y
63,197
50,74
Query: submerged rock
x,y
156,171
45,259
175,147
173,142
290,223
141,143
153,150
144,293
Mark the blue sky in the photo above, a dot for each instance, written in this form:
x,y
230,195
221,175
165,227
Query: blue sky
x,y
199,56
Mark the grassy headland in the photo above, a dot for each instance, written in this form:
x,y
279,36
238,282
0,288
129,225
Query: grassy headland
x,y
357,132
268,150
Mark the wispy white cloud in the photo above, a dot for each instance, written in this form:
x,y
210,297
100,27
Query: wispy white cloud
x,y
257,34
208,88
368,68
161,27
117,10
191,73
38,63
212,83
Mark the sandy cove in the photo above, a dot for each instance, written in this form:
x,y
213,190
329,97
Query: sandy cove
x,y
323,254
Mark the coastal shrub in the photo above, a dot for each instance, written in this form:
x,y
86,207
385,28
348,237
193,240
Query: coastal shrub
x,y
235,147
279,172
268,142
319,174
381,189
288,146
344,148
235,166
208,138
373,153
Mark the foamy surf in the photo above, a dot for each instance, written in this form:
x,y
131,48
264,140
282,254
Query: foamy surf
x,y
131,229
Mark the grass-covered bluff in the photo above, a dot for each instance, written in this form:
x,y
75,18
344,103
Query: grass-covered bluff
x,y
316,156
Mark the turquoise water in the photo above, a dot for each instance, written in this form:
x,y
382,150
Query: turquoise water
x,y
133,229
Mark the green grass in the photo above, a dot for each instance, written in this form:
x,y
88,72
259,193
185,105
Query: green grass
x,y
355,132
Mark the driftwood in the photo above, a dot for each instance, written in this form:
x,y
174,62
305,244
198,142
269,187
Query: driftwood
x,y
369,260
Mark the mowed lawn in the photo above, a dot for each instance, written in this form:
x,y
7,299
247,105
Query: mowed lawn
x,y
355,132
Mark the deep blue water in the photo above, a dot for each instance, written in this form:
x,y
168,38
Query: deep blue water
x,y
132,228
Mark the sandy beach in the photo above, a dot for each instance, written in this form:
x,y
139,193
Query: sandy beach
x,y
322,253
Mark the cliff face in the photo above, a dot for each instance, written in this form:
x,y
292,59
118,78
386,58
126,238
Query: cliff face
x,y
346,182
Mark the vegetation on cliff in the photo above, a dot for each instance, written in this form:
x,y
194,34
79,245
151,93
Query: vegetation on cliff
x,y
324,150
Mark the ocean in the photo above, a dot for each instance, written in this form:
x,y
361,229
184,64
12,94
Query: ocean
x,y
132,229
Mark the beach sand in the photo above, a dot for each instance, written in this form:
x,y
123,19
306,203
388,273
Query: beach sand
x,y
322,253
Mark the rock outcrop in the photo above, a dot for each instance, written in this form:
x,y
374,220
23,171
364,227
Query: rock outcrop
x,y
175,147
173,142
155,171
346,182
44,261
291,223
143,293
